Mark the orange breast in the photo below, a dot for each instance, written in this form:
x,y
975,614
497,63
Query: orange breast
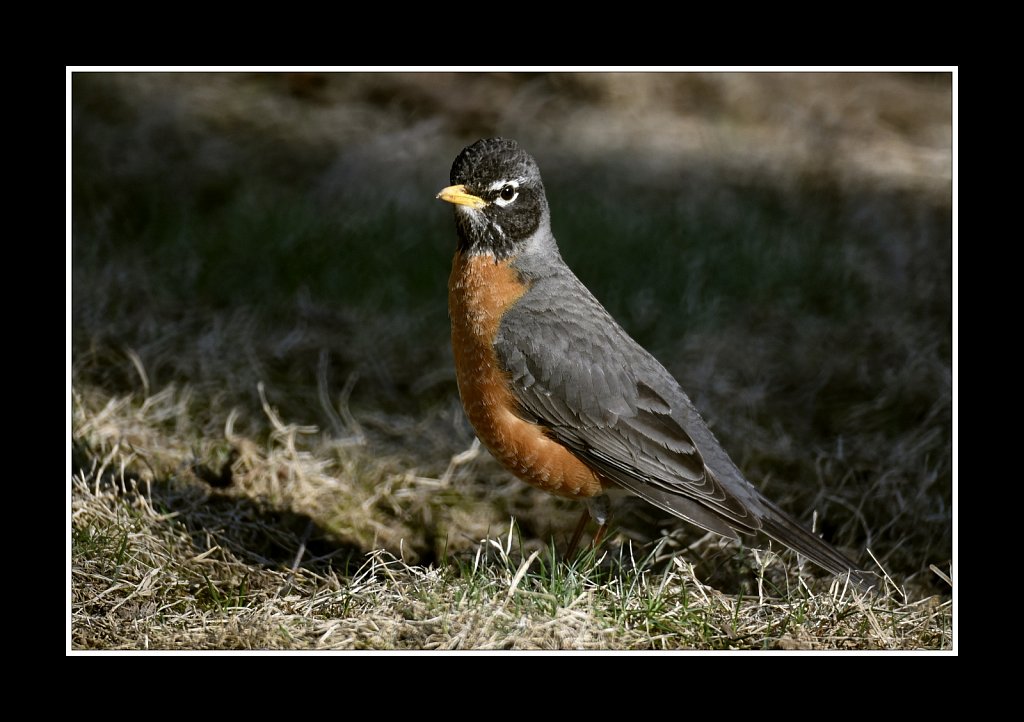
x,y
480,291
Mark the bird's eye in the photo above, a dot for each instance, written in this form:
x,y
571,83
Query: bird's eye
x,y
505,191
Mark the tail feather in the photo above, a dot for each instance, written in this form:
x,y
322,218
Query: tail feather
x,y
781,527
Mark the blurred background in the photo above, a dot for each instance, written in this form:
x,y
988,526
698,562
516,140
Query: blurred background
x,y
781,242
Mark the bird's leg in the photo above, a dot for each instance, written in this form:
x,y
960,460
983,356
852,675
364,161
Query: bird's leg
x,y
601,511
580,526
598,509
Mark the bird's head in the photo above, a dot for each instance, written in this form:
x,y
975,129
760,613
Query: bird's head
x,y
498,196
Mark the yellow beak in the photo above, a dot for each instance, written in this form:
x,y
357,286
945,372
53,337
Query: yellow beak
x,y
458,196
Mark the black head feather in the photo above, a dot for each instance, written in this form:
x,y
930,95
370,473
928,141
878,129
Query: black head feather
x,y
507,178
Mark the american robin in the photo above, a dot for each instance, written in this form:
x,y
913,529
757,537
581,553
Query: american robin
x,y
559,392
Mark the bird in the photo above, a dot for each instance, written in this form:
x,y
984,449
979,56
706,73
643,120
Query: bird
x,y
560,393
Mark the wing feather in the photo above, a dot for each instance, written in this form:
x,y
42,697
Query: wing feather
x,y
599,393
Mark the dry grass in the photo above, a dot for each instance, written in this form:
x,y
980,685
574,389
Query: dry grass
x,y
267,448
163,561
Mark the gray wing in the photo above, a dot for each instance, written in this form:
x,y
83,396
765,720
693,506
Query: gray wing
x,y
575,371
578,373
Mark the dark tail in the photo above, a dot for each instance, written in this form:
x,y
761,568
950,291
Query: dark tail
x,y
784,529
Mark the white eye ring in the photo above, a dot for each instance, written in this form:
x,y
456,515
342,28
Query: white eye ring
x,y
508,191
